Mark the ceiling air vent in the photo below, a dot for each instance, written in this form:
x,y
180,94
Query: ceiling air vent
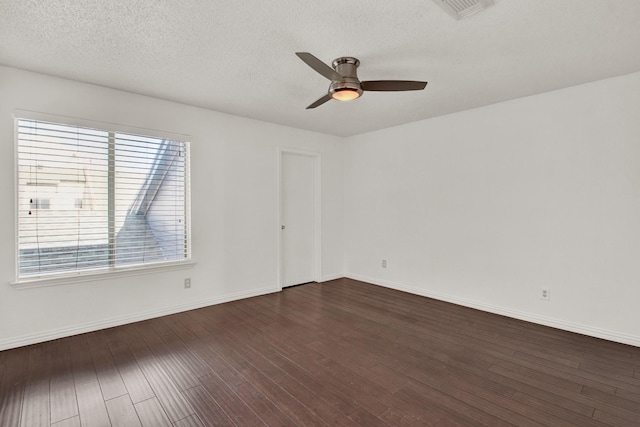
x,y
460,9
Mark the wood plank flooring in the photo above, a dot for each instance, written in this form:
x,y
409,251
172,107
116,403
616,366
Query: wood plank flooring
x,y
340,353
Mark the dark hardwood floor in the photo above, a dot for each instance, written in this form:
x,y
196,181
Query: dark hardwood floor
x,y
341,353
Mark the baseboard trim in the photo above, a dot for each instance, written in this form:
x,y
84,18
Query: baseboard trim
x,y
117,321
53,334
331,277
529,317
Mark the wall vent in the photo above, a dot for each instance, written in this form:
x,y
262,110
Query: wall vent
x,y
461,9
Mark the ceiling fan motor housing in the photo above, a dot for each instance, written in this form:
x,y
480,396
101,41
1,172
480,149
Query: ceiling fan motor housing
x,y
347,67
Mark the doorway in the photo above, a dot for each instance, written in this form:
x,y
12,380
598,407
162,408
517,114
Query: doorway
x,y
299,217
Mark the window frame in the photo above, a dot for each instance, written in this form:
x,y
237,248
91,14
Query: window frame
x,y
110,272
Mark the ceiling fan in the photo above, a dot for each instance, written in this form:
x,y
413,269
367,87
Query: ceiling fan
x,y
345,85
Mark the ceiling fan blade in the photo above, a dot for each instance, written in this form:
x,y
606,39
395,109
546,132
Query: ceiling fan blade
x,y
319,66
320,101
392,85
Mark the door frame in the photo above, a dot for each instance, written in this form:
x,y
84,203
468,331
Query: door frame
x,y
317,210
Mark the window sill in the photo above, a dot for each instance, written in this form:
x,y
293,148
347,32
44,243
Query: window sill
x,y
104,274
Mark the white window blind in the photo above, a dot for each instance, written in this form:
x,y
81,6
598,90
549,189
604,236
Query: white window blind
x,y
93,199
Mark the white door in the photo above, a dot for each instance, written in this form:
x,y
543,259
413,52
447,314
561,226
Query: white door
x,y
297,215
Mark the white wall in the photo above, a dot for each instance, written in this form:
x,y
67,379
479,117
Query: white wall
x,y
485,207
481,208
234,210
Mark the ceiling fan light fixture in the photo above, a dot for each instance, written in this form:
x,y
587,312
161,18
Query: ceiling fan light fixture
x,y
345,94
346,89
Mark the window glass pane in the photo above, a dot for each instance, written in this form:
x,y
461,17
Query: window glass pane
x,y
150,214
57,166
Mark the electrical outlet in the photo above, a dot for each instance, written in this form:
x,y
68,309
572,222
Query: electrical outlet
x,y
545,294
384,263
187,283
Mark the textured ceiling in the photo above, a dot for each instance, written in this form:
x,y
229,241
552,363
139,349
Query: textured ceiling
x,y
238,56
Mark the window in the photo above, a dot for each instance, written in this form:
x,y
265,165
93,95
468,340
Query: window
x,y
36,203
94,200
